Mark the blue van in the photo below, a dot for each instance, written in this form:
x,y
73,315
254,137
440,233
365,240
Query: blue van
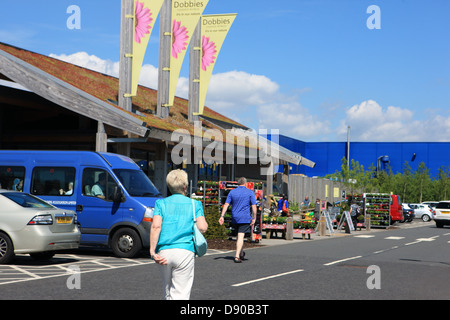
x,y
112,196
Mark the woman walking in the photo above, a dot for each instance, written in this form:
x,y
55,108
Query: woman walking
x,y
171,237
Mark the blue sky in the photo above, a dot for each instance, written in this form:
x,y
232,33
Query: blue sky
x,y
308,68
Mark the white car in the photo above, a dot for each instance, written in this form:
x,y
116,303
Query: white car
x,y
422,211
442,214
32,226
432,204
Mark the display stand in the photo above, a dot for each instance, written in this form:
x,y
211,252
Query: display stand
x,y
326,223
349,225
377,209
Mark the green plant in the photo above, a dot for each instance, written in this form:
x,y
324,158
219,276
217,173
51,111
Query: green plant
x,y
215,230
293,206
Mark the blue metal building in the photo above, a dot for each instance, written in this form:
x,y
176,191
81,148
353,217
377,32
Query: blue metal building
x,y
328,155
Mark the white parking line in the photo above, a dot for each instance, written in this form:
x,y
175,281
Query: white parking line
x,y
426,239
26,272
337,261
266,278
365,236
394,238
9,273
410,243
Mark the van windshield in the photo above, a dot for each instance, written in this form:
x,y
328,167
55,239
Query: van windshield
x,y
137,183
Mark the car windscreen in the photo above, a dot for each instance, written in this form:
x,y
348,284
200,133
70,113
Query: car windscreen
x,y
25,200
137,183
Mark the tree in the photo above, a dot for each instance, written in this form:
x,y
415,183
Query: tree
x,y
422,180
442,184
412,186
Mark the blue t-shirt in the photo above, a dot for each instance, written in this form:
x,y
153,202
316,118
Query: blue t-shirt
x,y
281,202
241,200
177,222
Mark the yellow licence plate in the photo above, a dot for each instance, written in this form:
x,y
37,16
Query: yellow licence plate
x,y
445,212
63,219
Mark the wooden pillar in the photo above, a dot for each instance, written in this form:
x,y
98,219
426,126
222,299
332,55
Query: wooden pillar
x,y
126,64
126,54
101,139
165,44
194,73
290,228
322,225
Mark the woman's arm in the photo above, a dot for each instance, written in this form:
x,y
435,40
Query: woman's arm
x,y
202,225
154,237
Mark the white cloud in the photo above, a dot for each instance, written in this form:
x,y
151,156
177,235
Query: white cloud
x,y
371,122
292,119
92,62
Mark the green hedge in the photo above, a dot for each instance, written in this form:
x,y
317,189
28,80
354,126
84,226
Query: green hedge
x,y
215,230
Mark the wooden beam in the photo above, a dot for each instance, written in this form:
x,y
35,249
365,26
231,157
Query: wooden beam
x,y
68,96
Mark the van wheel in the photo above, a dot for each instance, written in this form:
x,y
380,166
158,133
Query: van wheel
x,y
126,243
6,249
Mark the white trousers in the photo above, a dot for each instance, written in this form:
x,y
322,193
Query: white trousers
x,y
178,274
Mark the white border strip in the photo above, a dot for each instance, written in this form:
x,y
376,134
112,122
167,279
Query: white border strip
x,y
337,261
266,278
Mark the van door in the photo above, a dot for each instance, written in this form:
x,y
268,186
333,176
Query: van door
x,y
97,211
396,208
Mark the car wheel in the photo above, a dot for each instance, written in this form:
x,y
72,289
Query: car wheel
x,y
426,218
6,249
126,243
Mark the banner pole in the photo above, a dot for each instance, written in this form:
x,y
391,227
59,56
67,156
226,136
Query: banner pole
x,y
165,43
126,53
194,73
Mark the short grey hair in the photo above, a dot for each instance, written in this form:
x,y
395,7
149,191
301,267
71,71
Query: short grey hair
x,y
177,181
242,181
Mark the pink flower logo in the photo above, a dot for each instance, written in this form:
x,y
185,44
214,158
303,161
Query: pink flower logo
x,y
208,52
179,38
142,21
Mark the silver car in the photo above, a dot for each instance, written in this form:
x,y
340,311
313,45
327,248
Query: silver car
x,y
422,211
31,225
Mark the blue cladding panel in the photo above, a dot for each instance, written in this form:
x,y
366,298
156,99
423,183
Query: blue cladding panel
x,y
328,155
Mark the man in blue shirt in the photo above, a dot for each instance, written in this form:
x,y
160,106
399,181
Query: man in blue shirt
x,y
242,200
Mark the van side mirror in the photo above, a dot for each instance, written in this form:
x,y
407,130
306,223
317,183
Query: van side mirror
x,y
118,194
